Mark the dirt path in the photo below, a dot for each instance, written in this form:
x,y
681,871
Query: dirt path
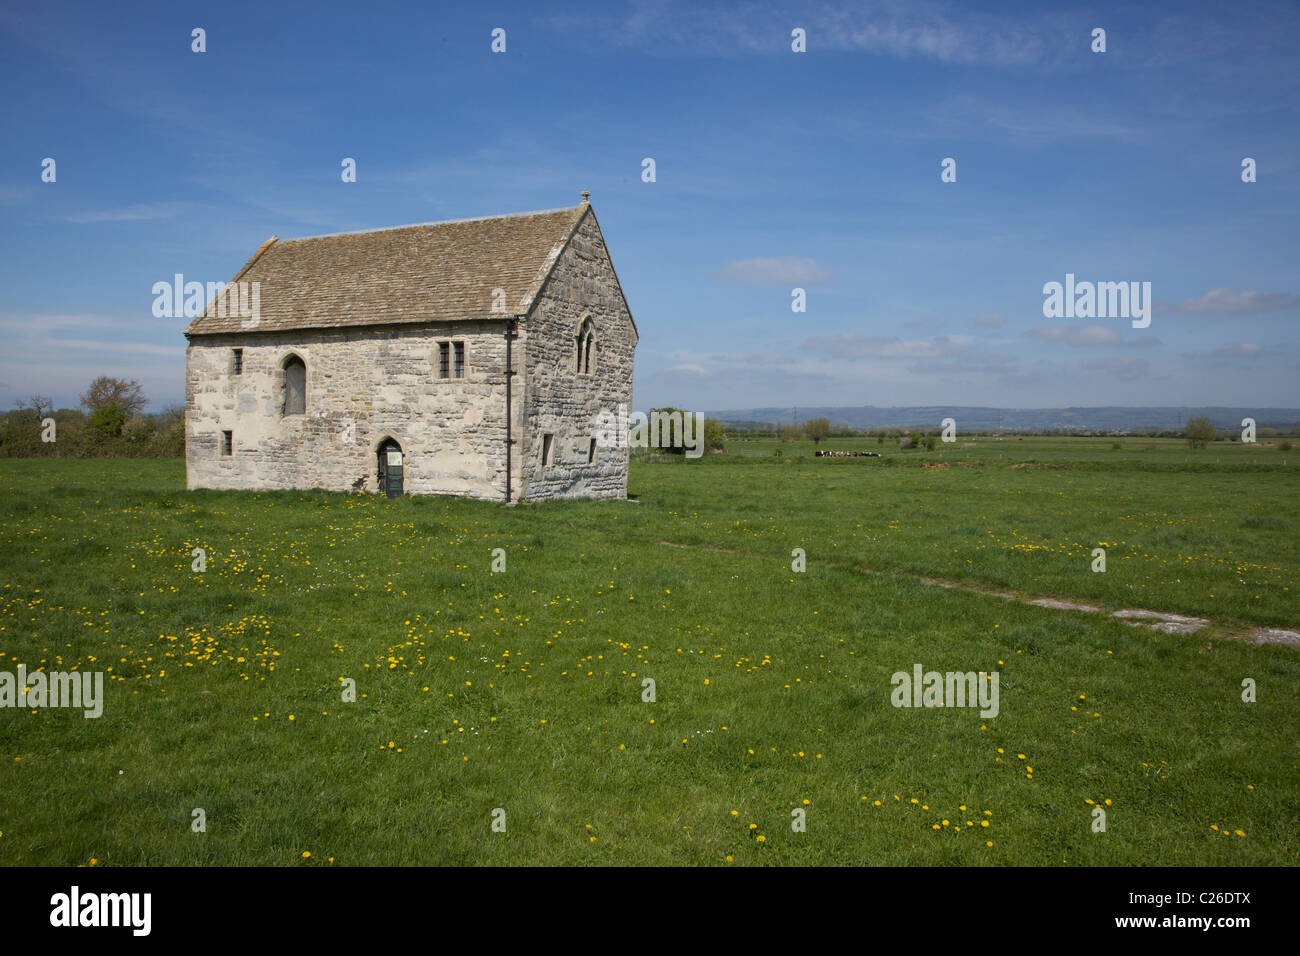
x,y
1164,621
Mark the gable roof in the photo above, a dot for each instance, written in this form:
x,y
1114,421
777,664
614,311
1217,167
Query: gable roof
x,y
429,272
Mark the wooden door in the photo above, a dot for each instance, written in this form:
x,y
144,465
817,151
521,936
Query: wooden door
x,y
391,468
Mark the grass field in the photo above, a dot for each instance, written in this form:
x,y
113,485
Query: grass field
x,y
522,690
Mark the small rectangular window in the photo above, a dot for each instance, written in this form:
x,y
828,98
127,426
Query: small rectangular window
x,y
548,441
460,359
238,361
591,452
444,360
227,444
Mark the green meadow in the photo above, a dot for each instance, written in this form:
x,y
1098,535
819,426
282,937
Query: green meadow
x,y
519,696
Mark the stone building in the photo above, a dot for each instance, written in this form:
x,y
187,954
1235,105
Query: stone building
x,y
470,357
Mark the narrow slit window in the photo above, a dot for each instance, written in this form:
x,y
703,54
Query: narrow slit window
x,y
460,359
591,452
587,361
238,360
227,444
548,442
444,360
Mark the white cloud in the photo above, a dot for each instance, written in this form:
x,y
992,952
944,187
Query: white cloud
x,y
691,369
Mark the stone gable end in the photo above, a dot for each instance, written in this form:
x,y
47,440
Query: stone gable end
x,y
560,400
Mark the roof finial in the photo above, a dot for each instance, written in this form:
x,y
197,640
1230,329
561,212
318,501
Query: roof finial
x,y
586,196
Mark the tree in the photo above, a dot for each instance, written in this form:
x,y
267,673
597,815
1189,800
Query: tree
x,y
817,429
42,406
789,433
107,420
714,439
666,429
1199,432
105,390
171,416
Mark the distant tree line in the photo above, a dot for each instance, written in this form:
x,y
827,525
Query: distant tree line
x,y
110,423
1198,432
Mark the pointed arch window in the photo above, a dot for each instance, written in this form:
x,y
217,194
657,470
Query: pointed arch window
x,y
586,342
295,386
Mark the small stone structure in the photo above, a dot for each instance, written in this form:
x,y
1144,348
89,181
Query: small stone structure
x,y
378,361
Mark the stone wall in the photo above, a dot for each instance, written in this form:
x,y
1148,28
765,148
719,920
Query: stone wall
x,y
558,399
368,384
363,385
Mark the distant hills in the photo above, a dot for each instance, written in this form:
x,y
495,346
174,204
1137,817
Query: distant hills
x,y
977,418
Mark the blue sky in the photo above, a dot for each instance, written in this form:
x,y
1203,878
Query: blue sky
x,y
774,170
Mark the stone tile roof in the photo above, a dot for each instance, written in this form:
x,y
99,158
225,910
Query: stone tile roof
x,y
431,272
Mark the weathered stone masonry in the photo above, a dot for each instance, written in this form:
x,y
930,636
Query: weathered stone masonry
x,y
564,402
368,379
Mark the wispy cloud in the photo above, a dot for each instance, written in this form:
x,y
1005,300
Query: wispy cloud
x,y
1125,369
134,213
1093,336
130,213
916,30
852,345
1231,302
774,270
1238,350
16,193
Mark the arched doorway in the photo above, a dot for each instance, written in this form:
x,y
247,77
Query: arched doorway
x,y
391,468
